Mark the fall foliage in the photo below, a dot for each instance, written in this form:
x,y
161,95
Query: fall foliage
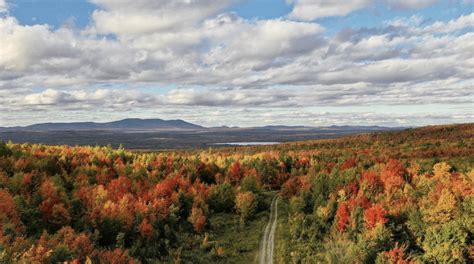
x,y
395,197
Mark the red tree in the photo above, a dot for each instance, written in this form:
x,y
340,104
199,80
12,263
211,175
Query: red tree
x,y
342,216
393,174
374,215
235,172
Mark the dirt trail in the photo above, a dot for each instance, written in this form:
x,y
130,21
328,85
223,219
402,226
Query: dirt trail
x,y
267,245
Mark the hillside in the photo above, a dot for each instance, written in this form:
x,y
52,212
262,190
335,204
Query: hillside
x,y
382,197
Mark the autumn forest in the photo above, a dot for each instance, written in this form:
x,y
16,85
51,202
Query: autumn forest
x,y
383,197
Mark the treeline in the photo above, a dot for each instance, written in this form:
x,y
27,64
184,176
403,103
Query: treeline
x,y
385,198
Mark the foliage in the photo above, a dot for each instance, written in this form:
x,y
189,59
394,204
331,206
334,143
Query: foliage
x,y
396,197
222,198
246,206
5,150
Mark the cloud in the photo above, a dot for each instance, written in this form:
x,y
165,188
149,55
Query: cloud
x,y
410,4
53,100
306,106
392,71
258,45
308,10
3,6
465,21
238,97
218,60
23,46
313,9
126,19
312,105
48,97
449,91
229,51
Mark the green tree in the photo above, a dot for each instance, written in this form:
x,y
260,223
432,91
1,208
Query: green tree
x,y
222,198
250,184
5,150
445,243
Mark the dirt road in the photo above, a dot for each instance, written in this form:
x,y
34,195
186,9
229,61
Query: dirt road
x,y
268,240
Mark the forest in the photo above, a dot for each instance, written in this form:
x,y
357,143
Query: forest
x,y
384,197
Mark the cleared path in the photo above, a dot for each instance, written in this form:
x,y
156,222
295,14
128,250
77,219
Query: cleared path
x,y
268,240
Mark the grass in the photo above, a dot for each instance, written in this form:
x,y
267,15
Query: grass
x,y
229,242
281,231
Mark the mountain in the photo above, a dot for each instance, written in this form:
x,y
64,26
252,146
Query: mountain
x,y
137,124
125,124
153,134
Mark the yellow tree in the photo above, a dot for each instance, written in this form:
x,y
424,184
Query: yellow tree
x,y
246,205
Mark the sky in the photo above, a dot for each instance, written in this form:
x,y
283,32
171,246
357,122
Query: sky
x,y
238,63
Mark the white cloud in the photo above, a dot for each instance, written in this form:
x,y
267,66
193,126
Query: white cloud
x,y
48,97
239,45
128,18
311,105
465,21
99,99
3,6
313,9
393,71
23,46
449,91
410,4
230,51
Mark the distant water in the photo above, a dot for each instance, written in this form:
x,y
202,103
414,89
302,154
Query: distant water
x,y
247,143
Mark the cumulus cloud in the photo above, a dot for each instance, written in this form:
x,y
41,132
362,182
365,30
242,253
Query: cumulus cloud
x,y
229,51
23,46
260,45
48,97
126,18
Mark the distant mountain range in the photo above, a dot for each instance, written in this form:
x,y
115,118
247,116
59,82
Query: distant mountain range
x,y
137,124
155,134
125,124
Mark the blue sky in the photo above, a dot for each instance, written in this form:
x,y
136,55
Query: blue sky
x,y
244,63
58,12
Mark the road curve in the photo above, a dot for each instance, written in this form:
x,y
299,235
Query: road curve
x,y
268,240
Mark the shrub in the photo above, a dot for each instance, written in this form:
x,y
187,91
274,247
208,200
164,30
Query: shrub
x,y
198,219
222,198
250,184
5,150
445,243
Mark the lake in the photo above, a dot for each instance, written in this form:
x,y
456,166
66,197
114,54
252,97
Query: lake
x,y
247,143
